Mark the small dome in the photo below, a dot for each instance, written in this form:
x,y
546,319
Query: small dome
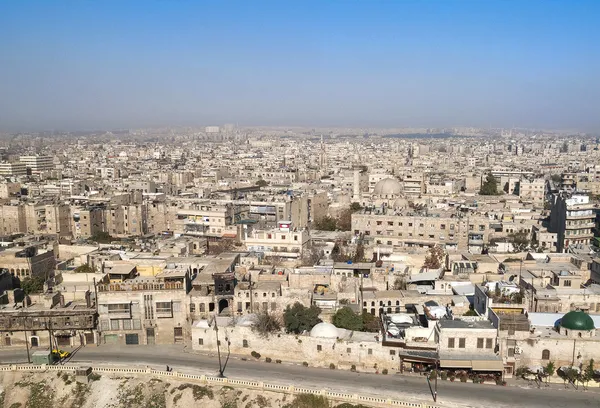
x,y
400,203
577,320
388,186
325,330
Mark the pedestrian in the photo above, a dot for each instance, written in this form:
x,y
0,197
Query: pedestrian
x,y
168,369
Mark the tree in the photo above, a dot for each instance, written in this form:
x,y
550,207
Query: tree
x,y
85,268
345,318
565,147
557,178
33,284
344,220
355,207
359,255
326,223
550,369
588,373
370,322
262,183
266,324
490,186
434,258
520,240
298,318
400,283
102,237
312,256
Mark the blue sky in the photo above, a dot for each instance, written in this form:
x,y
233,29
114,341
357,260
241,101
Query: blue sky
x,y
103,64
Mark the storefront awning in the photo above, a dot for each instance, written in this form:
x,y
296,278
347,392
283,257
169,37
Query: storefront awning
x,y
455,363
488,365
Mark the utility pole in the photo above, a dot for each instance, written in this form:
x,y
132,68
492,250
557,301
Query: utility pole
x,y
221,365
26,342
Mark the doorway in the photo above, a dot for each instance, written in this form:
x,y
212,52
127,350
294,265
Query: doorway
x,y
150,338
223,306
35,341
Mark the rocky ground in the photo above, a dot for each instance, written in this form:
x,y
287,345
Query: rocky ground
x,y
52,389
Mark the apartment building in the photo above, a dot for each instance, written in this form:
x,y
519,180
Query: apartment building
x,y
533,191
28,261
421,230
284,241
37,164
572,218
13,169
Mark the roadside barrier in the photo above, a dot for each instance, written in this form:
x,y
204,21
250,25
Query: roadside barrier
x,y
210,380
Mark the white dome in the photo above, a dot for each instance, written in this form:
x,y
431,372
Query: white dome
x,y
388,186
325,330
400,203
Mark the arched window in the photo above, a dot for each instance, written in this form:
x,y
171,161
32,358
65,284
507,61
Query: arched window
x,y
546,354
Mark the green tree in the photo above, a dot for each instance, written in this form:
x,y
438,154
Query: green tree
x,y
262,183
34,284
298,318
345,318
355,207
557,178
326,223
102,237
434,258
550,369
370,322
588,373
520,240
85,268
490,186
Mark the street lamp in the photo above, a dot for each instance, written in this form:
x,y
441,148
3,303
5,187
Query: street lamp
x,y
221,365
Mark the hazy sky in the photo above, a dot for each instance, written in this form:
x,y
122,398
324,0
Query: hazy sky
x,y
102,64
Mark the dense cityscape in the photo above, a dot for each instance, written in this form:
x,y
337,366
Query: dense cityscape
x,y
464,254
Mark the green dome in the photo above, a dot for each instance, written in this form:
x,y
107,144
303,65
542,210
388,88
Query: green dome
x,y
577,320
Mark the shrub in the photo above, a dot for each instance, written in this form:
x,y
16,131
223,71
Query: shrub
x,y
266,324
463,378
305,364
384,371
255,354
444,375
268,359
433,374
353,368
332,366
278,361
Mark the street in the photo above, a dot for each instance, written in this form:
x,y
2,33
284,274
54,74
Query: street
x,y
412,388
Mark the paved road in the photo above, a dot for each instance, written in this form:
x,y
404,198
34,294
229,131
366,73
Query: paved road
x,y
395,386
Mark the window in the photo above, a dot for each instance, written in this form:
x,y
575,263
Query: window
x,y
319,347
479,343
202,307
392,352
163,307
119,308
283,237
245,343
137,324
488,343
370,352
567,282
127,324
451,342
200,342
461,342
348,350
192,307
114,325
511,352
546,354
104,325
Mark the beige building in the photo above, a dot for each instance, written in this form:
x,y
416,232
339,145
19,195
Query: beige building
x,y
533,191
13,169
12,219
145,310
37,164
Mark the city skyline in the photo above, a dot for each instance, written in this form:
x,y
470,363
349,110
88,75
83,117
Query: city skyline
x,y
340,64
